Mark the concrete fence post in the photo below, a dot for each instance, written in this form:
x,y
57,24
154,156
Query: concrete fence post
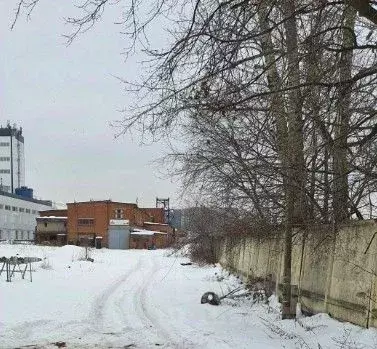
x,y
371,317
330,271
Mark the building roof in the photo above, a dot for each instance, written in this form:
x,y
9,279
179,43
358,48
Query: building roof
x,y
36,201
56,213
146,232
100,202
154,223
12,131
52,217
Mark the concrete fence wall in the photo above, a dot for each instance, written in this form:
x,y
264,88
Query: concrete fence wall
x,y
332,273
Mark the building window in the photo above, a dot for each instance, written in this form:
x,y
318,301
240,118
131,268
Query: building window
x,y
27,210
14,209
7,207
4,158
118,213
4,171
16,234
85,221
1,206
34,212
45,224
21,209
4,144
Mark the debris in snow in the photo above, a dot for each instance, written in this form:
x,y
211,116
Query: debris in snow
x,y
238,292
211,298
60,344
262,287
259,296
274,305
219,278
229,294
189,263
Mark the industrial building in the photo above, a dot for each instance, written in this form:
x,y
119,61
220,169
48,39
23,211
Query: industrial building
x,y
18,208
112,224
12,159
18,214
104,223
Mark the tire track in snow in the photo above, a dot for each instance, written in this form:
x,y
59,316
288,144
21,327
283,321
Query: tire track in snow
x,y
141,305
175,340
125,300
134,312
100,304
145,310
160,335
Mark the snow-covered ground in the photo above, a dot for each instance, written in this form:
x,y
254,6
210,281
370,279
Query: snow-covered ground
x,y
147,299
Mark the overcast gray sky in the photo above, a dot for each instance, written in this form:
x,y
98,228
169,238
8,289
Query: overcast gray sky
x,y
64,98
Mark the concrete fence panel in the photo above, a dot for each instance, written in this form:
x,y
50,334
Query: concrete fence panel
x,y
333,273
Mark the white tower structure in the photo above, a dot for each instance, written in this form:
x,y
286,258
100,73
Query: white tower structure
x,y
12,158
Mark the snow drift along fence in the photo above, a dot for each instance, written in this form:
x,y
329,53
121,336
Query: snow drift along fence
x,y
332,273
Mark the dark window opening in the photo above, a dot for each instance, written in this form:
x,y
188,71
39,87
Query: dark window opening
x,y
85,221
118,213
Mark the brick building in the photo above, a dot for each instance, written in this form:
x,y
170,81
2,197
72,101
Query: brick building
x,y
51,227
51,230
92,219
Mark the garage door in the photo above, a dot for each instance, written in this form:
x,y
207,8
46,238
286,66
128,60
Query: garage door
x,y
119,237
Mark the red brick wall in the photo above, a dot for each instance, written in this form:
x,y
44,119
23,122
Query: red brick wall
x,y
156,214
95,210
161,240
147,241
165,228
101,212
141,241
141,216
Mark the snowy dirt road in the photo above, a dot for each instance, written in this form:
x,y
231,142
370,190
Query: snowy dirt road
x,y
145,299
122,308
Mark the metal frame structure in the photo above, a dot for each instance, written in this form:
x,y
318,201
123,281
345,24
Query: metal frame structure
x,y
165,204
10,264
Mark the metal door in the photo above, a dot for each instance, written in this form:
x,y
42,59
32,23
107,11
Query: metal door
x,y
119,237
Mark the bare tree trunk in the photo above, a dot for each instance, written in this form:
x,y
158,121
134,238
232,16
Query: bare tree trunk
x,y
277,105
340,167
289,138
313,65
326,185
311,213
296,197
